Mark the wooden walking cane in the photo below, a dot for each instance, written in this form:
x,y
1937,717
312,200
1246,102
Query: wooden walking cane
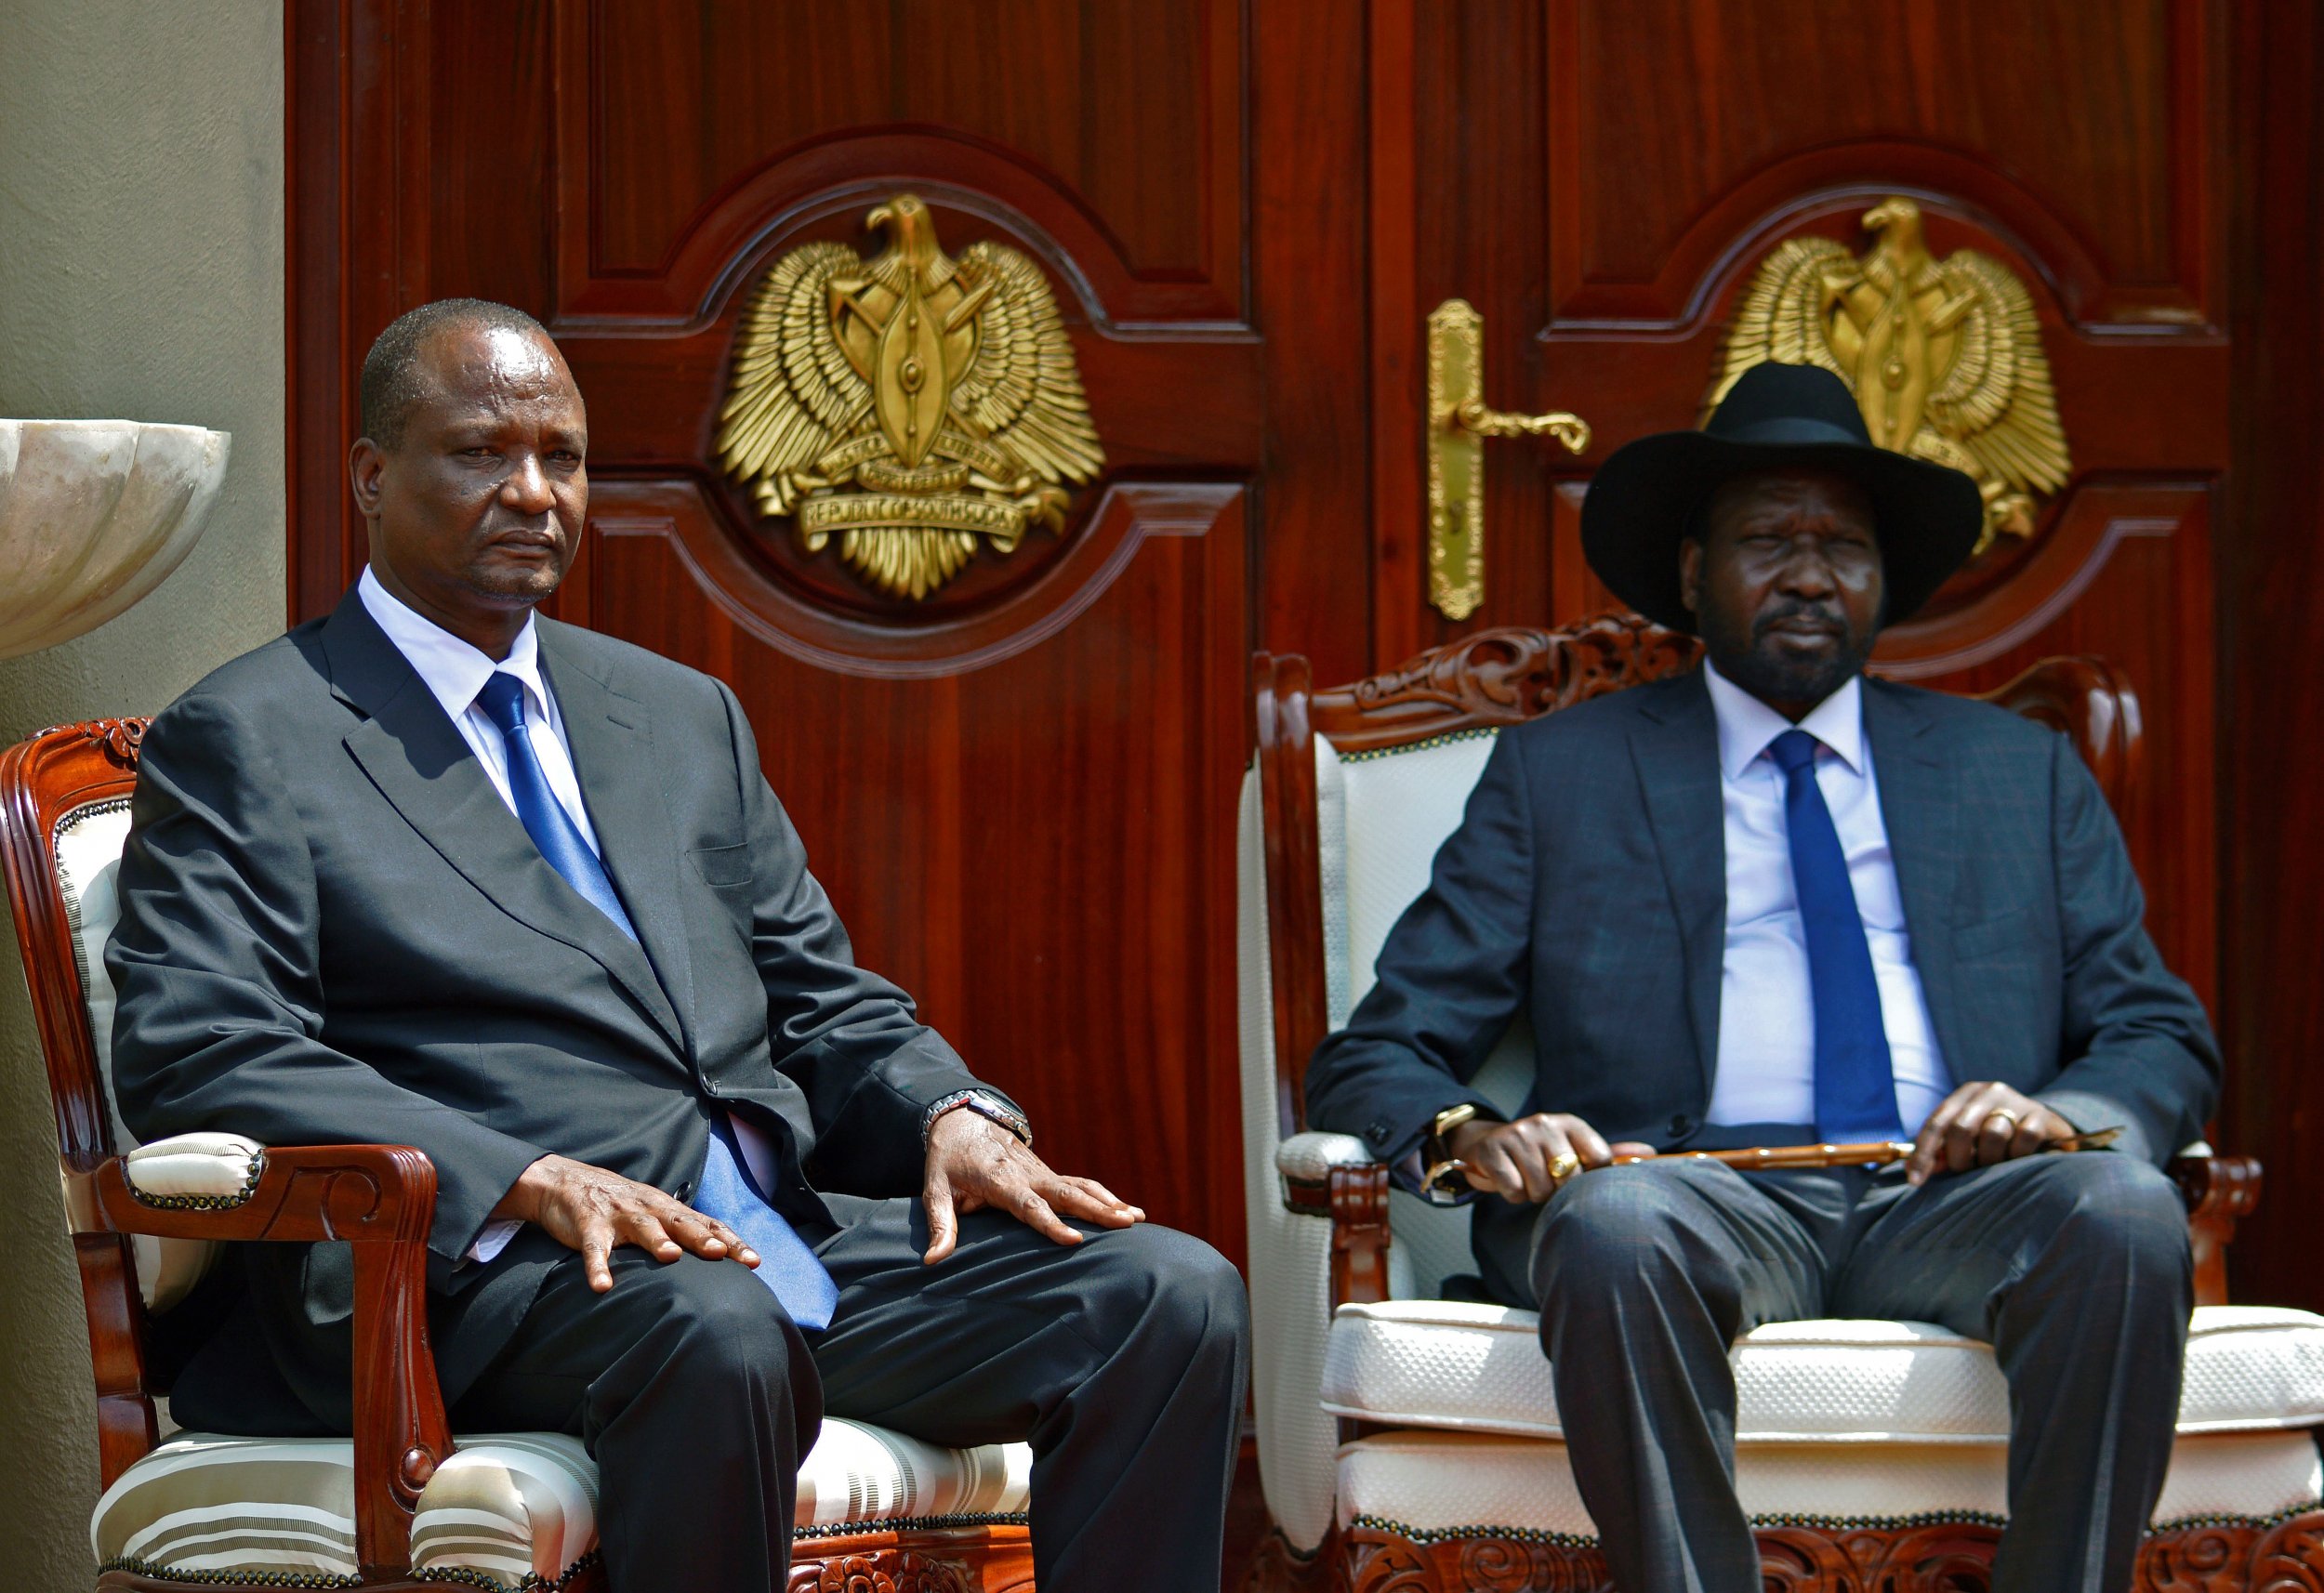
x,y
1864,1154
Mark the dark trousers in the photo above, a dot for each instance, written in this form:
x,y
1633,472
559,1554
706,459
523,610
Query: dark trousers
x,y
2075,1268
1121,1360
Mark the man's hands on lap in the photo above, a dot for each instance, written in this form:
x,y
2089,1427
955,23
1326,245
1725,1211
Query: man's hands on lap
x,y
974,1163
1978,1125
1515,1160
592,1210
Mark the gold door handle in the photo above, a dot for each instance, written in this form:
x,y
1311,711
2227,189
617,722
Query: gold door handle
x,y
1459,422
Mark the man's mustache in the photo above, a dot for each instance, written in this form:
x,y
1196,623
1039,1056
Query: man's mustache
x,y
1825,616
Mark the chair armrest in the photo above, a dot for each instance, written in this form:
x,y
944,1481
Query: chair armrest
x,y
1306,1160
382,1199
2218,1190
1334,1176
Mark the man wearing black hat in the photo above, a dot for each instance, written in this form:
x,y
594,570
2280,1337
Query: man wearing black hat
x,y
1776,903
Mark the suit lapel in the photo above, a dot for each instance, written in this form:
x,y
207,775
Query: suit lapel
x,y
1921,808
613,754
1676,748
418,762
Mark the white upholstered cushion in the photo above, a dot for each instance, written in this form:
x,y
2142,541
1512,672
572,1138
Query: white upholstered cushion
x,y
1442,1482
1308,1158
88,843
1399,807
1480,1368
216,1166
1291,1256
507,1506
89,846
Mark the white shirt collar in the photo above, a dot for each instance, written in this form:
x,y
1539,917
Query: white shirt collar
x,y
1747,725
454,670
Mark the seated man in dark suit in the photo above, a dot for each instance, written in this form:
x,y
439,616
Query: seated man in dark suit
x,y
434,872
1776,903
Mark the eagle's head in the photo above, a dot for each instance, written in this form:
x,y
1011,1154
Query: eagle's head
x,y
910,231
1897,220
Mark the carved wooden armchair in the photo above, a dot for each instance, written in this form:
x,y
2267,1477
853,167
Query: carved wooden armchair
x,y
1411,1442
405,1504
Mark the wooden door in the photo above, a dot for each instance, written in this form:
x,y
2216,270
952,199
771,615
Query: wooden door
x,y
1018,788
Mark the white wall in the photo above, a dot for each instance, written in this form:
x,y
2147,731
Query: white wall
x,y
141,276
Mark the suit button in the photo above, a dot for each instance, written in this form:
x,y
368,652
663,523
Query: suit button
x,y
1682,1125
1377,1133
686,1190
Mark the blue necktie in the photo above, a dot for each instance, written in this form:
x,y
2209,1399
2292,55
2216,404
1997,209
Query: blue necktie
x,y
785,1265
544,817
1855,1081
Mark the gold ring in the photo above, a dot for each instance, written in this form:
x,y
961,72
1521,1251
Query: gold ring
x,y
2015,1124
1564,1166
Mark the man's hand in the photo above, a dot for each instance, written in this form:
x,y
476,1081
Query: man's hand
x,y
591,1210
974,1163
1980,1124
1530,1159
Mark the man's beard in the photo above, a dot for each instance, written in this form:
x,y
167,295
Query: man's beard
x,y
1758,663
517,585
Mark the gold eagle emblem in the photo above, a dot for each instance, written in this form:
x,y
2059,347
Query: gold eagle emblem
x,y
1945,356
914,404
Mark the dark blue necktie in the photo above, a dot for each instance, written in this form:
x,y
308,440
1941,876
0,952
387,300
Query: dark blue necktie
x,y
544,817
785,1264
1855,1081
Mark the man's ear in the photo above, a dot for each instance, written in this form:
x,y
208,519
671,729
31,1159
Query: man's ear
x,y
366,463
1691,574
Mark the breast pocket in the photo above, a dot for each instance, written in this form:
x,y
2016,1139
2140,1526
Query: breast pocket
x,y
722,867
2005,936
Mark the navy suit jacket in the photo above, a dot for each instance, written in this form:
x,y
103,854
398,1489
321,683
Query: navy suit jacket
x,y
1586,887
333,931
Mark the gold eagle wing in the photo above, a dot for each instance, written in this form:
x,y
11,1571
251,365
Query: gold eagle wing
x,y
1020,388
1785,315
794,394
1995,400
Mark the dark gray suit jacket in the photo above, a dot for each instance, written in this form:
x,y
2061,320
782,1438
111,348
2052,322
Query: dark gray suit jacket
x,y
332,930
1587,887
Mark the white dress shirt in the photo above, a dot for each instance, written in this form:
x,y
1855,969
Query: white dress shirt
x,y
1766,1063
455,672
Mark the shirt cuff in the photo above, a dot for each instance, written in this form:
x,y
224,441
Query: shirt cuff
x,y
494,1239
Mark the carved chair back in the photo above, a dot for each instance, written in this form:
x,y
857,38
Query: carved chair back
x,y
64,798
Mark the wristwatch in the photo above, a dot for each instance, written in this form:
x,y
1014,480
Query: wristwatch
x,y
1443,1184
984,1104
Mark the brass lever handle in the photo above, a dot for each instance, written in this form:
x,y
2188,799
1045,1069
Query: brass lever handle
x,y
1458,421
1570,429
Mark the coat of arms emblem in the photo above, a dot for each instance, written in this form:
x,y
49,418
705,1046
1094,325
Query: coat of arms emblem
x,y
1945,356
916,405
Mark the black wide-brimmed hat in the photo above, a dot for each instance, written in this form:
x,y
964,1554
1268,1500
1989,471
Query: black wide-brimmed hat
x,y
1644,500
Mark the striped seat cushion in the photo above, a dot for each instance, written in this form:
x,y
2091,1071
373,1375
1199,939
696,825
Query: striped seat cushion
x,y
508,1510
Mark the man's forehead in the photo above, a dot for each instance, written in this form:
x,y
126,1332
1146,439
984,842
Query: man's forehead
x,y
490,367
